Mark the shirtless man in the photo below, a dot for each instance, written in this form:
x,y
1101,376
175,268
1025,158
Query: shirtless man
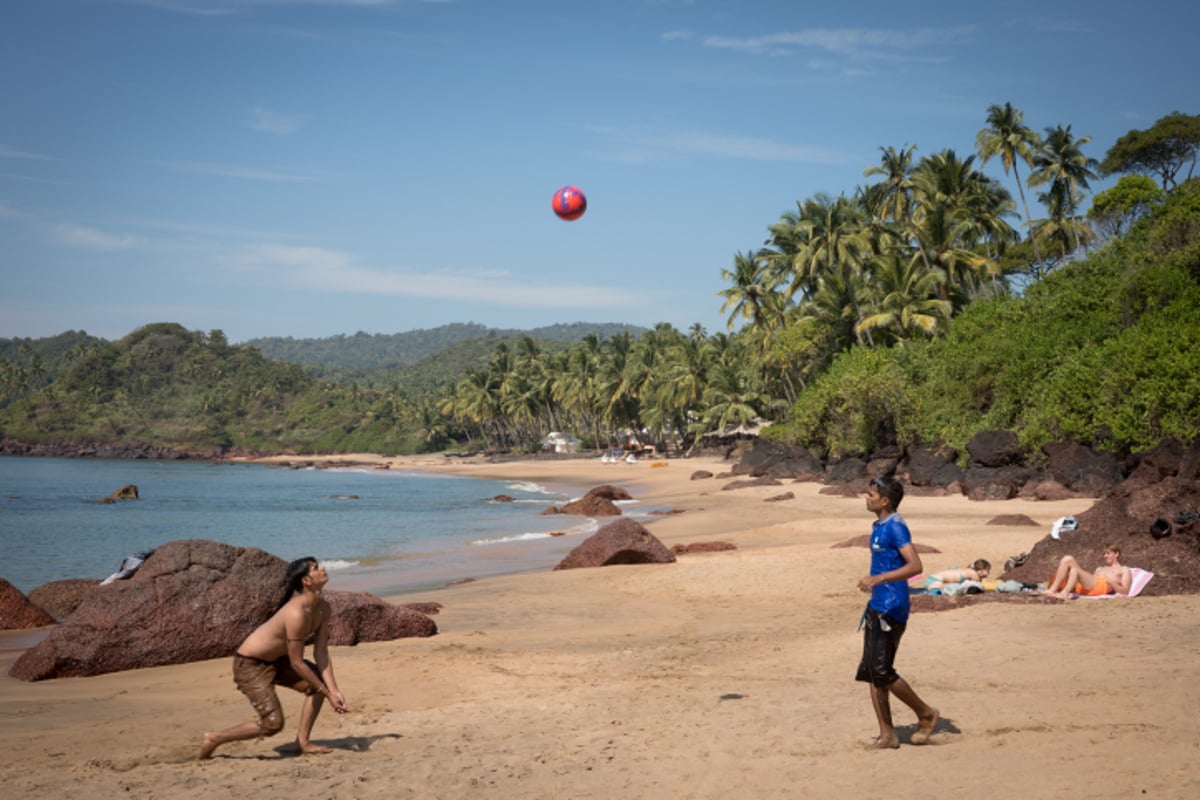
x,y
1112,578
274,655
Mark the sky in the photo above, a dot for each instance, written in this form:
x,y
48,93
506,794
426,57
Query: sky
x,y
310,168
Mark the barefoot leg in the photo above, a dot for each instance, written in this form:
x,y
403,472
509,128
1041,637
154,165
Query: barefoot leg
x,y
925,725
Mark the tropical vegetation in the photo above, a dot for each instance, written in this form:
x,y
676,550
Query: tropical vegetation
x,y
917,309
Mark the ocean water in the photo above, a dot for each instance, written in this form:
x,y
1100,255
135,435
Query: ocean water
x,y
383,531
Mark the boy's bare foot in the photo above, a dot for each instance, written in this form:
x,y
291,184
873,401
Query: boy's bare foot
x,y
925,726
890,743
210,744
311,749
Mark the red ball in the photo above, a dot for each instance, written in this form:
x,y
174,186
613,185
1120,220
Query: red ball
x,y
569,203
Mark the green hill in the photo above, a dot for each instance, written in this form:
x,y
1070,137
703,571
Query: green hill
x,y
362,353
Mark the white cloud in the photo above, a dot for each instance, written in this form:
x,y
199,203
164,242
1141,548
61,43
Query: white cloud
x,y
91,239
225,7
240,171
641,145
332,271
7,151
861,43
267,121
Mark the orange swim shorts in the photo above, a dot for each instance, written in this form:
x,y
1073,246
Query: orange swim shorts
x,y
1100,588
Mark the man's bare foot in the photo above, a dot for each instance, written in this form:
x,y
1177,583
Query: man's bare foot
x,y
925,727
210,744
311,749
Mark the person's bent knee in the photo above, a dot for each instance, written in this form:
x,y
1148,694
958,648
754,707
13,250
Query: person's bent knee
x,y
271,724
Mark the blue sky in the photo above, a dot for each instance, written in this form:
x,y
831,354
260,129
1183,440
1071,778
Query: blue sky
x,y
313,167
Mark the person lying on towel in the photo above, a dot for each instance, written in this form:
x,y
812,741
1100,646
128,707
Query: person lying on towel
x,y
937,581
1112,578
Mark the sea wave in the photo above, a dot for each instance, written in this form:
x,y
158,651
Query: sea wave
x,y
335,564
528,486
587,527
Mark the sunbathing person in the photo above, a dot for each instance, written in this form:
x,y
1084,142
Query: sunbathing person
x,y
978,570
1112,578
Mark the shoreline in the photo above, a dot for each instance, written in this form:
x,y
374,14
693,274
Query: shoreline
x,y
724,674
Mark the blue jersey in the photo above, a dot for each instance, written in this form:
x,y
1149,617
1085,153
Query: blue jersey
x,y
888,535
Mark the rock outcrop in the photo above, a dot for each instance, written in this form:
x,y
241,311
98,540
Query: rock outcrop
x,y
621,542
361,617
127,492
191,600
61,598
16,610
599,502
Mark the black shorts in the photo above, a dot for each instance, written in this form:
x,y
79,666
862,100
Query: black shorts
x,y
881,640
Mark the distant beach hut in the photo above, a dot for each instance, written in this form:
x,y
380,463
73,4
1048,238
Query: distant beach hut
x,y
558,442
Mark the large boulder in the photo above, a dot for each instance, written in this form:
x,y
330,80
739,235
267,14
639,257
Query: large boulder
x,y
191,600
61,598
127,492
994,449
599,502
361,617
846,470
996,483
16,611
767,459
924,462
1082,469
621,542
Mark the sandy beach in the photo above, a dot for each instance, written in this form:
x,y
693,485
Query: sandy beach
x,y
726,674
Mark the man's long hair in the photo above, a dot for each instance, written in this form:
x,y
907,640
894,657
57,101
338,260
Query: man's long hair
x,y
295,576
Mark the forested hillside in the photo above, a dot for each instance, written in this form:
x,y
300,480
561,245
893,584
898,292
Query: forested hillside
x,y
910,313
362,353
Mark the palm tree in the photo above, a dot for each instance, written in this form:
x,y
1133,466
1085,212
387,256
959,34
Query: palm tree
x,y
958,209
1061,163
827,236
1010,138
752,285
905,302
895,190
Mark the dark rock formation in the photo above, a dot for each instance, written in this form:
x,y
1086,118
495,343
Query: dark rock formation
x,y
701,474
1082,469
621,542
596,503
127,492
994,449
61,598
1124,518
361,617
767,459
780,497
996,483
924,463
846,470
503,498
191,600
16,610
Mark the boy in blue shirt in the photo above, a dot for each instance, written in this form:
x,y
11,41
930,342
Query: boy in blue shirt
x,y
894,560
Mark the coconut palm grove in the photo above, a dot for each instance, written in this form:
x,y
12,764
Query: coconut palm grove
x,y
927,304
